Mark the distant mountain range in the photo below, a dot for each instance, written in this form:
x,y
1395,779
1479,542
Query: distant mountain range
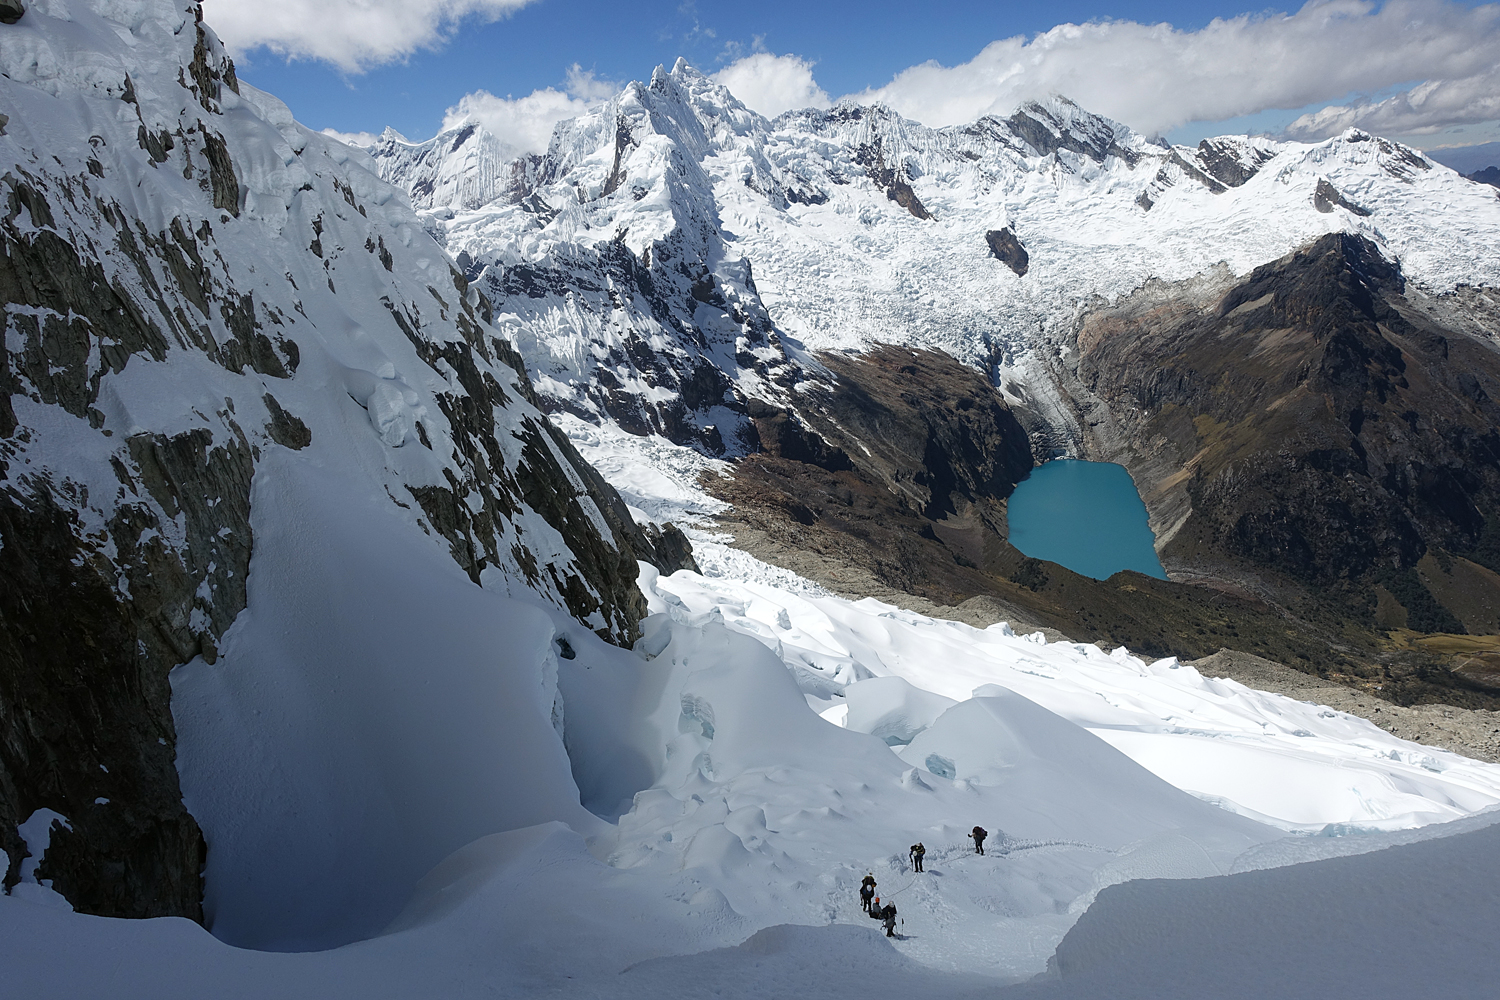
x,y
678,265
1467,159
1489,175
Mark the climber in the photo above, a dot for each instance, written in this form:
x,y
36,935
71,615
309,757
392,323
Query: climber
x,y
888,918
916,852
978,837
867,892
874,910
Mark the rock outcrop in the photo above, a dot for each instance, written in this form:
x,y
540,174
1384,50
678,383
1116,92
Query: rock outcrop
x,y
1008,250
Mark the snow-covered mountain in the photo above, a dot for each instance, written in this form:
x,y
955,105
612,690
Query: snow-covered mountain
x,y
212,312
662,259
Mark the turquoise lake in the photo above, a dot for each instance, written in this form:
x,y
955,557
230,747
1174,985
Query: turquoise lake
x,y
1086,516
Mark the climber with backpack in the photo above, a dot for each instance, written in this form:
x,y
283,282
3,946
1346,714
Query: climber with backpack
x,y
867,892
916,853
978,837
888,918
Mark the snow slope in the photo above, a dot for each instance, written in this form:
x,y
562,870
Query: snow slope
x,y
1408,921
1300,767
752,820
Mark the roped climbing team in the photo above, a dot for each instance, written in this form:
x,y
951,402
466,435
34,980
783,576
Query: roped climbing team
x,y
870,903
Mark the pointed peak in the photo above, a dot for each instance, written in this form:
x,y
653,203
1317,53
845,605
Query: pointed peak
x,y
1057,122
1065,114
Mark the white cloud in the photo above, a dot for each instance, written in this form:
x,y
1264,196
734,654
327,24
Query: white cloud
x,y
358,139
770,84
524,124
1431,107
1155,77
583,85
351,34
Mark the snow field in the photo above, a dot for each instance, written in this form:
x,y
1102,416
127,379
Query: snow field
x,y
746,811
1297,766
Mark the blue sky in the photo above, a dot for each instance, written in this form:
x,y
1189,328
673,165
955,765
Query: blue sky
x,y
854,48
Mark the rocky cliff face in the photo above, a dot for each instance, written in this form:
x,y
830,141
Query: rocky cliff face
x,y
614,276
191,281
900,462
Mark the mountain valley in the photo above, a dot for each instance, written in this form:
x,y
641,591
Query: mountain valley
x,y
894,237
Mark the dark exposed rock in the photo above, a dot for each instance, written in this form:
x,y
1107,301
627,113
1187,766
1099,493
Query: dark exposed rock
x,y
11,11
286,429
1008,250
86,719
1223,160
89,628
207,77
623,141
226,186
903,462
666,548
888,179
1044,132
1192,171
1326,196
1327,432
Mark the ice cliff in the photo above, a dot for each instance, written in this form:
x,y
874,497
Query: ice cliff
x,y
210,311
